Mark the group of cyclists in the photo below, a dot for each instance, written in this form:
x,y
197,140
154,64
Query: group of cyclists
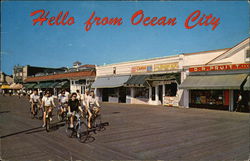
x,y
71,104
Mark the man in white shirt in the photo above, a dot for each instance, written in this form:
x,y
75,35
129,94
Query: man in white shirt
x,y
35,100
63,101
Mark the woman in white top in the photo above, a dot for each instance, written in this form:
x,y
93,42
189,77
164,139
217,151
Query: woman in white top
x,y
92,105
48,104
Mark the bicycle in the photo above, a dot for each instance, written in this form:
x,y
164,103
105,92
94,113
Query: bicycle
x,y
47,122
96,121
80,129
61,116
37,112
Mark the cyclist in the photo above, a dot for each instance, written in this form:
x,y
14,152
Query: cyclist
x,y
34,99
48,104
63,101
93,106
74,107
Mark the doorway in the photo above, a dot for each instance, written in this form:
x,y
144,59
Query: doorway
x,y
160,94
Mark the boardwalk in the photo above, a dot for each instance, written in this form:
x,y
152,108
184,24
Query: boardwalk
x,y
136,132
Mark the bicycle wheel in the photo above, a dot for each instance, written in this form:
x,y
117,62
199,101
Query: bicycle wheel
x,y
59,116
69,131
82,132
35,110
98,123
40,113
47,124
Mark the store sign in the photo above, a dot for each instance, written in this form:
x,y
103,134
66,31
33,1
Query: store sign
x,y
220,67
170,101
166,67
141,69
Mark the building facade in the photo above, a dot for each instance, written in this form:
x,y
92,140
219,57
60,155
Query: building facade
x,y
217,83
159,80
20,73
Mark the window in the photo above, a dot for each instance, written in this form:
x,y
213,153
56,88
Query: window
x,y
248,54
170,89
210,97
114,70
141,92
72,82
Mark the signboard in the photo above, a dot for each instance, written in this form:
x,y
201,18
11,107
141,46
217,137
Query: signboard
x,y
220,67
166,67
141,69
170,101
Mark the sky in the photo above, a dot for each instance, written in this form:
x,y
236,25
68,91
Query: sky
x,y
23,43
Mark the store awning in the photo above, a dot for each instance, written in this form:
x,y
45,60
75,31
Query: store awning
x,y
137,81
29,85
43,85
155,80
64,84
16,86
53,85
247,84
214,82
5,86
110,82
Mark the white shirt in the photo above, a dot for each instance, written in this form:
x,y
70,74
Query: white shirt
x,y
31,97
34,97
48,101
62,98
92,101
67,94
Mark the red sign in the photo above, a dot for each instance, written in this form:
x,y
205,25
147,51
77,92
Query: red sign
x,y
220,67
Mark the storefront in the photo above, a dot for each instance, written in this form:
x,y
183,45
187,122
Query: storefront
x,y
217,86
111,88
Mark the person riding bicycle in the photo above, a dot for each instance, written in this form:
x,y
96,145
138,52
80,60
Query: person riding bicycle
x,y
48,104
35,100
63,101
74,107
93,106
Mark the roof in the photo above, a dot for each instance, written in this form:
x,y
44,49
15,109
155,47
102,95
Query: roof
x,y
208,51
61,76
230,49
88,66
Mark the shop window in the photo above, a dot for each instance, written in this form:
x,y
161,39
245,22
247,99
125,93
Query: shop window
x,y
170,89
141,92
114,70
209,97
